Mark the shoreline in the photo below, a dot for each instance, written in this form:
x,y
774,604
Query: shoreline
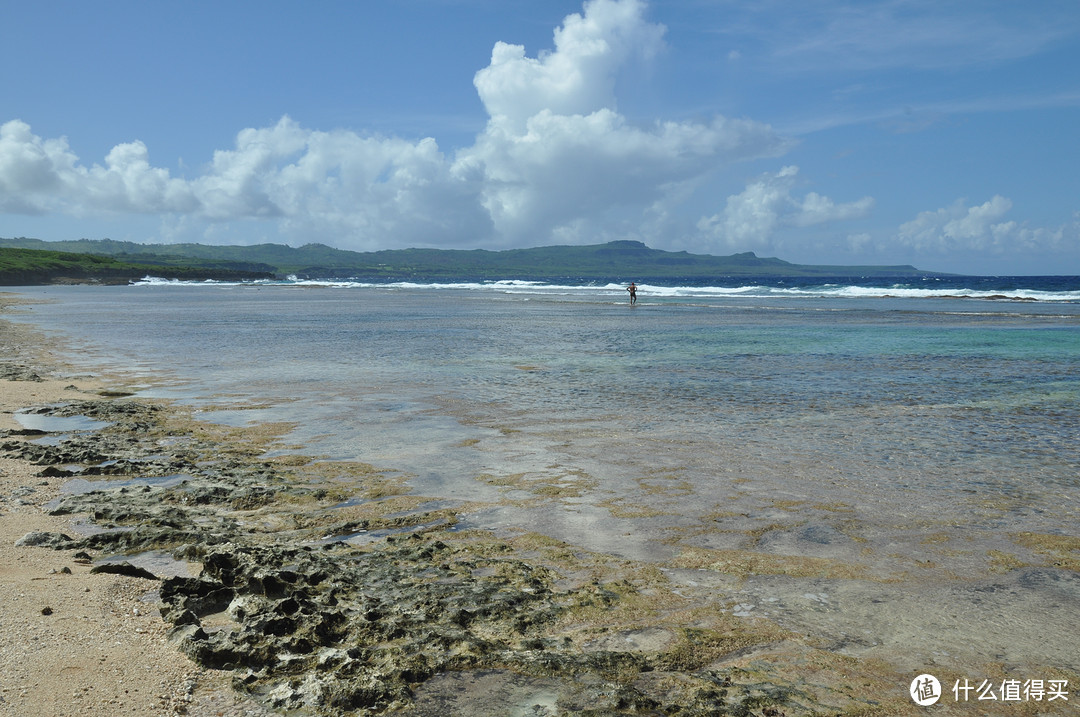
x,y
329,588
74,642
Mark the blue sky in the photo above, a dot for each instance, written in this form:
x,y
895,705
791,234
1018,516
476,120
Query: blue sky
x,y
935,133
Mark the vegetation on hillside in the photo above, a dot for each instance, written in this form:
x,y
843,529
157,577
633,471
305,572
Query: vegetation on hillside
x,y
613,261
25,267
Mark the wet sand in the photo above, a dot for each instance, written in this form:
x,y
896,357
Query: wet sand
x,y
546,628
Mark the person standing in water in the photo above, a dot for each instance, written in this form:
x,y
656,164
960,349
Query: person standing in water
x,y
633,293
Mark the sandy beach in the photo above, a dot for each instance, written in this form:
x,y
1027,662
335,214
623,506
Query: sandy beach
x,y
293,585
73,642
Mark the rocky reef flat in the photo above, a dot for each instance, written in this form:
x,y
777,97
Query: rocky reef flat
x,y
270,582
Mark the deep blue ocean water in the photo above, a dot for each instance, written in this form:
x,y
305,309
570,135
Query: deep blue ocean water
x,y
907,427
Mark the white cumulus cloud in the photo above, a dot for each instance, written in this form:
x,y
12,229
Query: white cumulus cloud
x,y
39,176
981,227
564,168
31,169
578,77
556,160
751,218
556,153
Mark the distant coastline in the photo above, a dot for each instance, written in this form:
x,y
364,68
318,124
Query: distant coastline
x,y
25,261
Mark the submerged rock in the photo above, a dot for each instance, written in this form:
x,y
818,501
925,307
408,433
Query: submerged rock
x,y
307,621
125,568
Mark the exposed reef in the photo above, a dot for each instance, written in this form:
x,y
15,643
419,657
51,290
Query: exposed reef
x,y
326,588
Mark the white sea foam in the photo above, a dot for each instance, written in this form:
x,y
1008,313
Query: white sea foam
x,y
674,292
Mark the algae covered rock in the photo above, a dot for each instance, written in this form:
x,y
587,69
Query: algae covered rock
x,y
310,621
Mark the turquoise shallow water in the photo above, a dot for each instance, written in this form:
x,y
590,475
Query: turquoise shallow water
x,y
907,435
933,397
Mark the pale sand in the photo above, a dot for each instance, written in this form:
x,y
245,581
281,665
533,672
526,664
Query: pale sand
x,y
78,644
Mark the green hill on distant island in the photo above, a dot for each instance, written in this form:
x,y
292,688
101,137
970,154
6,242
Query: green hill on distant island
x,y
26,267
108,260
